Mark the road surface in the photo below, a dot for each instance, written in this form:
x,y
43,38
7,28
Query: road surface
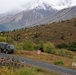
x,y
44,65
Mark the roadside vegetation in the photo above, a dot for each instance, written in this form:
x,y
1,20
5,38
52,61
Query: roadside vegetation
x,y
47,47
11,66
25,71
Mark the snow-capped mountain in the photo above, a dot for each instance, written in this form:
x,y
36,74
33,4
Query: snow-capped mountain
x,y
35,11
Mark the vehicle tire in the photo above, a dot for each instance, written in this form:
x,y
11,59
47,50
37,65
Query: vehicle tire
x,y
0,51
12,52
7,52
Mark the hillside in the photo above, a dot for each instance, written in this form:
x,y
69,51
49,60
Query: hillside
x,y
60,32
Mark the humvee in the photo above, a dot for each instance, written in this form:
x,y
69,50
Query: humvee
x,y
6,48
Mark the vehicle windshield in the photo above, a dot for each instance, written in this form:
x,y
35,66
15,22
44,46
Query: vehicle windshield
x,y
11,47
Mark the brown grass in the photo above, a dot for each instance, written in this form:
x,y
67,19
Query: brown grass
x,y
45,57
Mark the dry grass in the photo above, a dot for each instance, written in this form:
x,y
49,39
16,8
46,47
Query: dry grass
x,y
45,57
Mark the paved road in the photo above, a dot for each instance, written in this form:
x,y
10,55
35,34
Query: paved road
x,y
47,66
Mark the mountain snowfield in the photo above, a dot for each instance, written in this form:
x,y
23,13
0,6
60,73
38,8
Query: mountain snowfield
x,y
23,5
55,4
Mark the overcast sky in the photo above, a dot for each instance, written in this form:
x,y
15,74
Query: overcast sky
x,y
9,5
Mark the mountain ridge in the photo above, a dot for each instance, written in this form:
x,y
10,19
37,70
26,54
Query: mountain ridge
x,y
26,18
61,15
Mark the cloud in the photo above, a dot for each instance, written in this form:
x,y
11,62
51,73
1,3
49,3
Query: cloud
x,y
8,5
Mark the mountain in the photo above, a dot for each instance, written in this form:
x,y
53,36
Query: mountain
x,y
3,28
27,18
39,12
5,16
64,14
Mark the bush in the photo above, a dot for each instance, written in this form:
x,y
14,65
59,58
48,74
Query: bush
x,y
59,62
75,25
2,39
72,47
61,52
69,54
36,46
65,53
25,71
19,46
74,59
49,48
9,40
28,45
62,46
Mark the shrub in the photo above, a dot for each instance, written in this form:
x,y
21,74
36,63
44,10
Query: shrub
x,y
21,52
75,25
74,59
25,71
49,48
28,45
61,52
2,39
19,46
59,62
9,40
36,46
65,53
72,47
62,46
68,54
